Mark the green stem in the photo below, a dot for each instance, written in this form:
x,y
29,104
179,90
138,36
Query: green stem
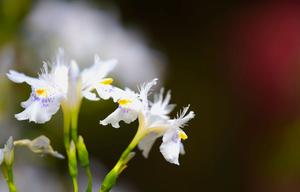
x,y
74,125
111,178
75,184
90,179
9,177
67,125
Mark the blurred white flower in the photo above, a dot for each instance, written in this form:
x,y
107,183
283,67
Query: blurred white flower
x,y
40,145
83,31
63,85
154,120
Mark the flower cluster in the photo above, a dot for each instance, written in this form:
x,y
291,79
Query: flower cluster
x,y
154,120
62,84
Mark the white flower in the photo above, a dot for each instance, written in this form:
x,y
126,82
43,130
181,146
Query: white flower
x,y
63,84
154,120
40,145
130,104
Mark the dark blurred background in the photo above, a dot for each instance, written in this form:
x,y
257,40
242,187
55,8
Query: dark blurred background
x,y
235,62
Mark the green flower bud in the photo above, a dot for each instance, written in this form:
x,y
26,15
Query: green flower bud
x,y
72,160
9,152
83,154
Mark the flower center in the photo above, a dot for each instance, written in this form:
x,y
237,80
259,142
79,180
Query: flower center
x,y
123,102
107,81
182,135
41,92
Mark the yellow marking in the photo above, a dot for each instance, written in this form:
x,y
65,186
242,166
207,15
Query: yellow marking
x,y
41,92
182,135
107,81
123,102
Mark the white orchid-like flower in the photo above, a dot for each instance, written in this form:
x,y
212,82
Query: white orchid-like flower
x,y
63,84
154,120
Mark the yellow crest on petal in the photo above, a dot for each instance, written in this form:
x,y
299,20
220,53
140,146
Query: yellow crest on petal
x,y
107,81
41,92
123,102
182,135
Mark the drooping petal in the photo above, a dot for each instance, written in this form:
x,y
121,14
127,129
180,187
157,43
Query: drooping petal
x,y
21,78
146,144
39,110
120,114
170,147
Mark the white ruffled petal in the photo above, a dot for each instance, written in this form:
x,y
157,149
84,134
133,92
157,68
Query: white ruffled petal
x,y
39,110
90,96
146,144
120,114
21,78
170,147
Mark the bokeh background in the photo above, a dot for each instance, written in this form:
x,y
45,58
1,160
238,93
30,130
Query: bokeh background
x,y
235,62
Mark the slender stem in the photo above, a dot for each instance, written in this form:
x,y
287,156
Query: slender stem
x,y
75,184
74,125
67,119
111,178
90,179
9,177
67,124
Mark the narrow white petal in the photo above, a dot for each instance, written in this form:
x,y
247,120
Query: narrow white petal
x,y
21,78
145,89
99,70
146,144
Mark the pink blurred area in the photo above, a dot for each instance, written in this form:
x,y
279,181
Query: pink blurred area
x,y
264,49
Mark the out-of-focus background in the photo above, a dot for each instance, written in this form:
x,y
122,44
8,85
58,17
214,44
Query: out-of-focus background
x,y
237,64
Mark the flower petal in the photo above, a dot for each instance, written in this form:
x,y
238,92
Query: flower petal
x,y
21,78
89,95
39,110
170,147
120,114
146,144
93,75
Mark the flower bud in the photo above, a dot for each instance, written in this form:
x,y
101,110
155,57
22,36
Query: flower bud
x,y
9,152
72,160
83,154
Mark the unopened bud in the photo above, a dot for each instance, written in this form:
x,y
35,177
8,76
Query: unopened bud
x,y
72,160
83,154
9,152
